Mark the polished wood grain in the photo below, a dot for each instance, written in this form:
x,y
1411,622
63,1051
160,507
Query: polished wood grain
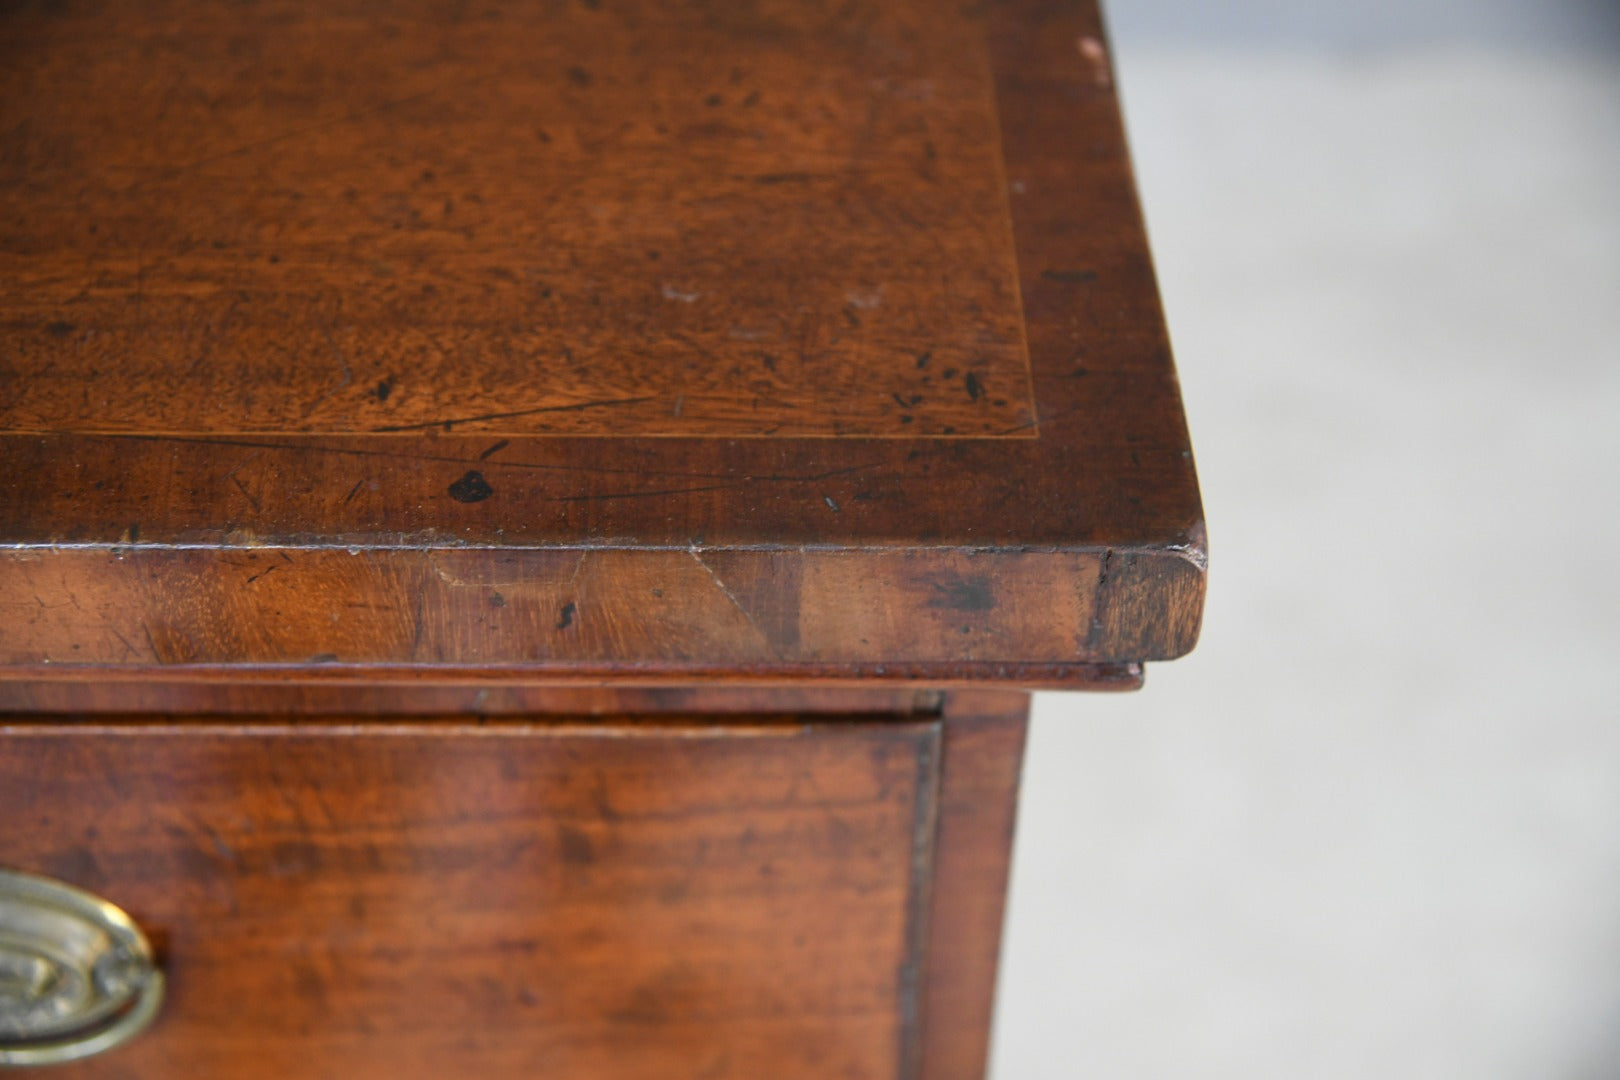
x,y
791,224
398,698
981,757
500,501
585,609
787,339
606,901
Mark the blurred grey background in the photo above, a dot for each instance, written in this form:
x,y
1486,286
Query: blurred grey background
x,y
1372,826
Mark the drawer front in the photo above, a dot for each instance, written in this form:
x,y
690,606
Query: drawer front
x,y
449,899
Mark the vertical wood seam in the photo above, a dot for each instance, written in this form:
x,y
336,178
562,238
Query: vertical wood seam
x,y
920,901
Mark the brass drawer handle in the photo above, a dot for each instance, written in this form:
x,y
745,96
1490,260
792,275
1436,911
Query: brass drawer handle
x,y
76,973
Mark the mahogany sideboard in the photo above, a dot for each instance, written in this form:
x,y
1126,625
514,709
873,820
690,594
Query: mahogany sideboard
x,y
526,528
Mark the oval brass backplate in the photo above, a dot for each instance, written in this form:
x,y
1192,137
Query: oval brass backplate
x,y
76,973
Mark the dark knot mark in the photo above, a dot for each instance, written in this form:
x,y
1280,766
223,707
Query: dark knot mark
x,y
1070,277
471,488
566,618
963,594
575,845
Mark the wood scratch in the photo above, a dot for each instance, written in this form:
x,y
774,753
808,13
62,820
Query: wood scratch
x,y
243,463
246,494
1037,422
395,455
132,650
259,144
215,331
721,585
416,634
606,495
345,374
450,422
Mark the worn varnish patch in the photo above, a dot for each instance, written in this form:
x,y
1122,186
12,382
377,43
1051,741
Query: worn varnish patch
x,y
541,220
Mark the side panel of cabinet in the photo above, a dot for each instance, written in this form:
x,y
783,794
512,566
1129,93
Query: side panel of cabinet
x,y
621,900
982,755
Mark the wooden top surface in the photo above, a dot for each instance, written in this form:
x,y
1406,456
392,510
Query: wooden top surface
x,y
784,338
